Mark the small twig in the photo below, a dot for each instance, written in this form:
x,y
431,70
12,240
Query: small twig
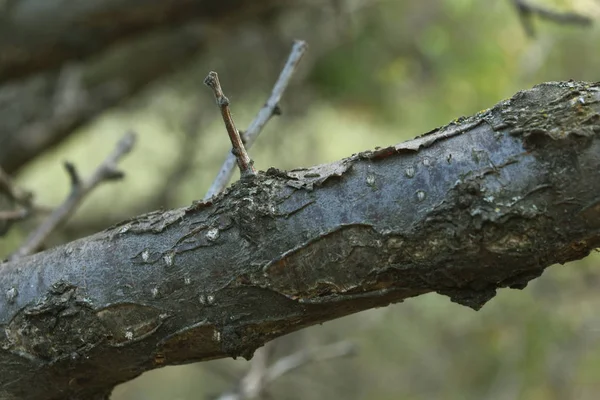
x,y
243,159
526,10
106,171
267,111
13,215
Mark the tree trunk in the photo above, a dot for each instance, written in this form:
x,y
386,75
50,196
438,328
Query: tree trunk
x,y
483,203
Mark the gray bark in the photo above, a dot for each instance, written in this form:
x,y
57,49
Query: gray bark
x,y
484,203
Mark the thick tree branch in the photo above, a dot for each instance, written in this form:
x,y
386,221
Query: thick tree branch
x,y
483,203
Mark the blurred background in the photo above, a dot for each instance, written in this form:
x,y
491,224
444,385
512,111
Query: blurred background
x,y
377,72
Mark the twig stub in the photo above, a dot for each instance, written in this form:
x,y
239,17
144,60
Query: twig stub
x,y
243,159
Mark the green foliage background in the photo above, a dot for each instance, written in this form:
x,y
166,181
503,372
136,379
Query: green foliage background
x,y
377,73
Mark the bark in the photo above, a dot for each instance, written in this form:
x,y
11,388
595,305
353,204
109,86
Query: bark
x,y
37,36
484,203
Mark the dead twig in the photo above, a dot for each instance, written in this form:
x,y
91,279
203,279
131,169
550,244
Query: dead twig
x,y
107,171
243,159
526,11
266,112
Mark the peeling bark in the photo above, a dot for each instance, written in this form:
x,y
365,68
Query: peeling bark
x,y
483,203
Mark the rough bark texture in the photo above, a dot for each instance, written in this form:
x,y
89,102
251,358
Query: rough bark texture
x,y
483,203
41,35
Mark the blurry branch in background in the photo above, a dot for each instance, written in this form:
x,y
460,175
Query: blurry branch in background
x,y
14,192
264,115
187,147
107,171
260,375
15,203
30,125
43,38
526,11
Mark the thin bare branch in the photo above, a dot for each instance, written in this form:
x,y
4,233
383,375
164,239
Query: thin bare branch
x,y
526,10
266,112
13,215
106,171
260,375
306,356
243,159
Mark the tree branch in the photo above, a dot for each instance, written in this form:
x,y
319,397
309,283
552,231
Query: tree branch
x,y
526,10
42,36
484,203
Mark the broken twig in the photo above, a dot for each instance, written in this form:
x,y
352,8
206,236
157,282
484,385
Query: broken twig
x,y
243,159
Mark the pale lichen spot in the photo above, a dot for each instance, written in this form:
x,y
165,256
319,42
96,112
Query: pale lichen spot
x,y
216,335
212,234
154,292
168,258
409,172
421,195
11,295
370,180
128,335
145,255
